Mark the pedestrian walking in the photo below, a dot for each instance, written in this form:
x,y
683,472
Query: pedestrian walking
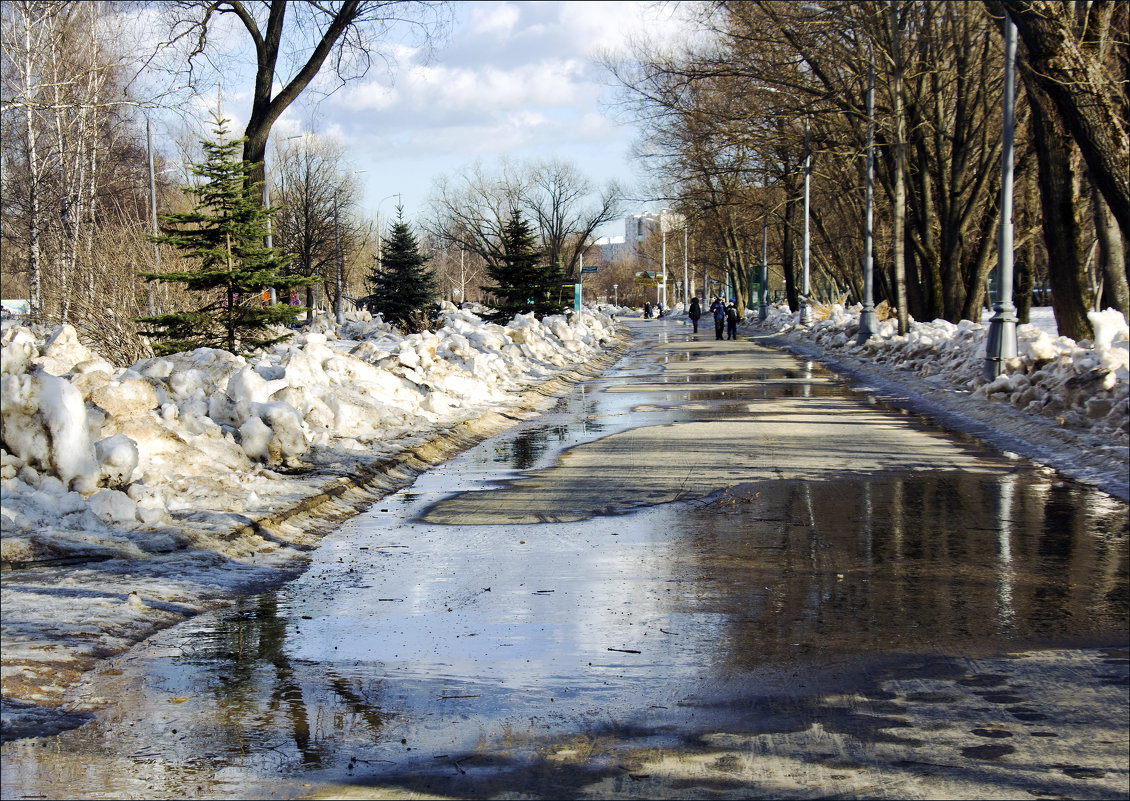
x,y
694,312
647,310
719,312
732,319
659,305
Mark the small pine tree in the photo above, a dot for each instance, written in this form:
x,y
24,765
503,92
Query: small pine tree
x,y
403,290
522,280
225,234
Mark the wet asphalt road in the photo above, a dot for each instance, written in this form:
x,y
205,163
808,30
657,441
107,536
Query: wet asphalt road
x,y
712,572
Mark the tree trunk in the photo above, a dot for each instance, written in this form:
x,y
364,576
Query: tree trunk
x,y
1112,256
1026,282
34,272
1091,104
788,245
898,227
265,109
1060,184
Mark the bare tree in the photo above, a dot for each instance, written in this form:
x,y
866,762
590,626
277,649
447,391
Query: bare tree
x,y
314,189
1078,54
459,271
559,200
68,148
472,209
346,34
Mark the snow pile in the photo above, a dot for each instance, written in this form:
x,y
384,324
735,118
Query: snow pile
x,y
1081,385
106,461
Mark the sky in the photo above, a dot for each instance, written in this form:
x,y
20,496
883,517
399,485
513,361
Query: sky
x,y
513,79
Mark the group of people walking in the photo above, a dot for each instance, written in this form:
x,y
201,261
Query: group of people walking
x,y
725,316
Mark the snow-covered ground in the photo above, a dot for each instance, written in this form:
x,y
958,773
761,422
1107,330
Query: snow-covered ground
x,y
145,495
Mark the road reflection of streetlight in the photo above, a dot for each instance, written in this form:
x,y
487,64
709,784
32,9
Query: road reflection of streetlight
x,y
1006,612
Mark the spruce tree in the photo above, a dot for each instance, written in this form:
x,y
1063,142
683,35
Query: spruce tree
x,y
403,290
224,235
523,281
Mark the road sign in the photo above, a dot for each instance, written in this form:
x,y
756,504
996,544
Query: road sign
x,y
591,269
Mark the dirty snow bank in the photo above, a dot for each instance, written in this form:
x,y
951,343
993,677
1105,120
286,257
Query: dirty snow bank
x,y
182,480
1060,402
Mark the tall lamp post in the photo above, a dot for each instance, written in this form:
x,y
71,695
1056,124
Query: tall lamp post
x,y
686,270
867,318
762,309
1001,341
805,306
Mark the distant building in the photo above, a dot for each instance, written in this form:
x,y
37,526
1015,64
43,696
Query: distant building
x,y
637,229
611,248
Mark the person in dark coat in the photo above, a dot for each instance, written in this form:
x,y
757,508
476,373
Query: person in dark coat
x,y
694,312
732,319
719,312
647,310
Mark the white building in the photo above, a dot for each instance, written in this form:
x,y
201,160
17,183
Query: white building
x,y
611,248
638,227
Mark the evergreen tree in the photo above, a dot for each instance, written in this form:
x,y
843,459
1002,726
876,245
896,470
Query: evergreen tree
x,y
403,290
224,234
523,281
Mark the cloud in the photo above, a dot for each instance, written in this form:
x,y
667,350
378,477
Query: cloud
x,y
494,19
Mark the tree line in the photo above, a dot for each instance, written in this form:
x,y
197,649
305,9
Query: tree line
x,y
730,119
82,184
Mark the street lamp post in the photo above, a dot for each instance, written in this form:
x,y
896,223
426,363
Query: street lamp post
x,y
615,294
805,306
686,273
1001,341
762,309
867,318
